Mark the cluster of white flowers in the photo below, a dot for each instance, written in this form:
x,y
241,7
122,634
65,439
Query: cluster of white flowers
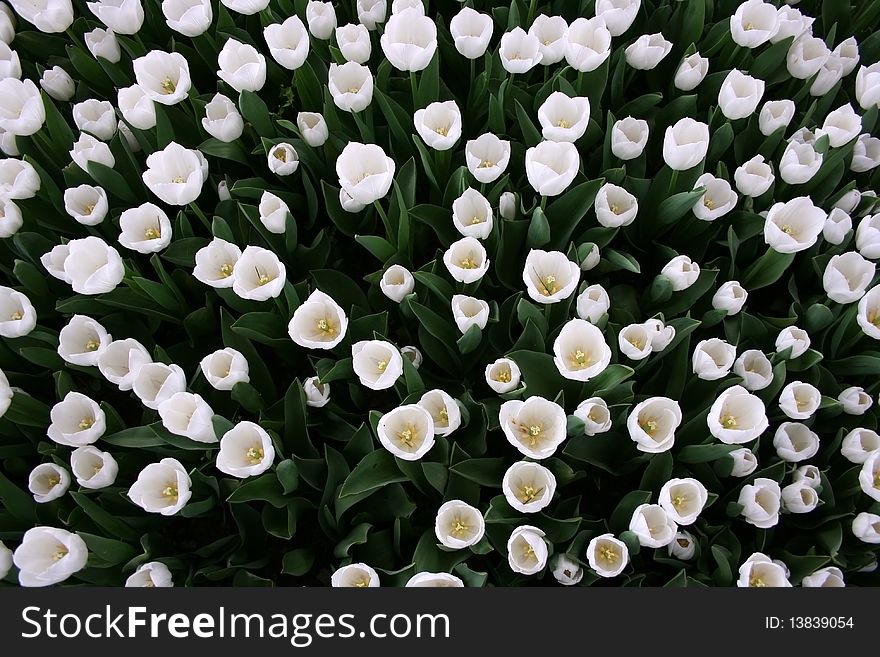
x,y
535,424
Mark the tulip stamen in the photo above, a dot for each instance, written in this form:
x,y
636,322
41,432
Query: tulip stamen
x,y
800,403
592,416
17,315
60,553
877,480
532,433
503,376
153,233
679,500
709,203
381,365
649,426
177,179
616,209
53,481
92,345
874,317
168,86
528,493
97,468
529,553
407,437
442,130
86,423
468,263
683,542
170,492
442,417
476,220
638,344
353,90
728,422
89,208
262,279
459,527
755,581
608,554
225,270
486,164
748,26
562,123
325,326
548,285
280,154
254,455
788,230
580,359
360,583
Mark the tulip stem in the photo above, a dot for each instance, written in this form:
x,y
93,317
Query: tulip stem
x,y
415,89
673,181
201,215
385,221
543,203
532,8
579,82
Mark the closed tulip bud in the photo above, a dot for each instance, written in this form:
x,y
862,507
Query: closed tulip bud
x,y
799,498
222,119
830,577
162,487
5,552
321,17
472,214
866,154
47,556
410,40
775,114
520,52
868,86
18,179
396,283
10,218
550,32
744,462
549,276
683,499
754,177
93,266
378,364
859,444
318,323
760,571
102,43
806,56
607,555
51,16
799,400
241,66
739,95
225,368
458,525
188,415
487,157
22,112
793,226
829,75
365,172
551,167
466,260
354,42
837,226
283,159
120,361
273,213
258,274
855,401
536,427
587,44
629,137
842,126
371,12
87,149
136,107
313,128
150,575
799,163
289,42
761,502
646,52
652,526
754,23
809,475
593,303
153,383
215,263
54,261
317,393
737,417
503,375
351,86
82,340
355,575
660,335
566,570
563,118
93,468
58,84
868,237
869,476
618,15
469,311
527,550
848,53
580,351
682,272
188,17
685,144
730,297
594,413
439,125
691,72
434,580
866,527
47,482
246,450
471,32
794,442
683,546
652,423
847,277
792,23
145,229
407,432
794,338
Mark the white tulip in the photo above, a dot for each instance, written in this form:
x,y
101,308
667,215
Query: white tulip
x,y
806,56
487,157
215,263
318,323
5,552
97,117
536,426
744,462
718,199
792,23
103,43
652,526
629,137
47,555
799,498
241,66
739,95
258,274
377,363
866,527
162,487
282,159
317,393
409,40
471,31
754,177
794,442
397,282
809,475
683,547
793,226
829,75
830,577
799,163
837,226
587,44
82,340
18,179
6,394
407,432
614,206
120,360
761,502
549,276
652,423
685,144
354,42
321,17
775,114
153,383
288,42
54,261
868,86
153,574
618,15
503,375
593,303
469,311
58,84
527,550
121,16
371,12
222,119
444,411
273,213
551,167
176,174
799,400
737,417
7,34
93,468
528,487
246,450
49,16
866,154
564,118
458,525
224,368
365,172
682,272
859,444
797,339
93,266
855,401
842,126
313,128
434,580
11,219
48,482
760,571
145,229
188,17
351,86
730,297
594,413
507,205
466,260
189,415
246,7
592,259
519,51
634,341
163,76
439,125
646,52
17,314
683,499
659,334
868,237
580,351
607,555
355,575
550,32
869,476
472,214
566,570
847,277
133,144
754,23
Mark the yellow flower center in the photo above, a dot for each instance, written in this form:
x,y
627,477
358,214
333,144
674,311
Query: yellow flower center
x,y
562,123
548,285
53,481
649,426
86,423
476,220
361,583
607,554
486,164
17,315
683,542
748,26
468,263
60,553
877,479
153,233
97,468
225,270
381,365
709,203
528,493
728,422
254,455
580,359
325,326
503,376
262,279
442,130
443,417
170,492
280,154
788,230
636,343
532,433
353,90
177,179
755,581
407,436
616,209
168,86
679,501
90,208
459,527
874,317
92,345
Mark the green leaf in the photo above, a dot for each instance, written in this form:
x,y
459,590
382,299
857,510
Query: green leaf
x,y
375,470
566,212
108,550
767,269
622,514
254,109
470,340
678,205
381,248
297,562
483,471
539,230
704,453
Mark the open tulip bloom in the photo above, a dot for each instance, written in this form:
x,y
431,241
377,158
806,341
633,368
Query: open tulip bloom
x,y
398,293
